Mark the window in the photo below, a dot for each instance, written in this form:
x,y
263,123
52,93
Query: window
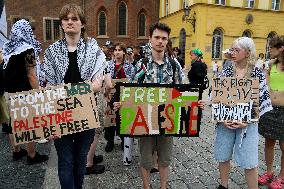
x,y
167,7
51,29
141,25
217,43
220,2
250,3
247,33
122,18
269,37
276,4
102,23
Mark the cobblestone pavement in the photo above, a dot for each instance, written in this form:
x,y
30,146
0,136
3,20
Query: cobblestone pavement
x,y
16,174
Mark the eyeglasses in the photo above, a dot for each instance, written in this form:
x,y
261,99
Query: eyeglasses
x,y
235,50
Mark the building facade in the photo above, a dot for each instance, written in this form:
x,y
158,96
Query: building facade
x,y
212,25
125,21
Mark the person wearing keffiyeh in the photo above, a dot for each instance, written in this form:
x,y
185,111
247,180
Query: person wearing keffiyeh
x,y
20,54
75,58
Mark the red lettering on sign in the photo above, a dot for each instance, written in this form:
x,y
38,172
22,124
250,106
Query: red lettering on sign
x,y
193,117
136,122
170,106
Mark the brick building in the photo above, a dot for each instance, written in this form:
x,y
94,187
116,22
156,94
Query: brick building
x,y
126,21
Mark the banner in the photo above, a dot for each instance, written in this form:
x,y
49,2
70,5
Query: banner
x,y
235,99
59,110
156,109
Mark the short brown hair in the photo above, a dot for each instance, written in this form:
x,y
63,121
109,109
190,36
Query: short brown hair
x,y
73,8
121,45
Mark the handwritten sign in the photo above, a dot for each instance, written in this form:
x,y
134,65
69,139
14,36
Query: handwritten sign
x,y
155,109
110,114
235,99
60,110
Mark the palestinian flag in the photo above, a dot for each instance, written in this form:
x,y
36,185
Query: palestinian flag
x,y
141,71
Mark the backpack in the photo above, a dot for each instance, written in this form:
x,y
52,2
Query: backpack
x,y
145,61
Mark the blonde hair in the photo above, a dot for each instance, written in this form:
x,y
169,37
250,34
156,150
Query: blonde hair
x,y
247,44
75,9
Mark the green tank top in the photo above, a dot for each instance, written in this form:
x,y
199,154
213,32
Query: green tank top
x,y
276,79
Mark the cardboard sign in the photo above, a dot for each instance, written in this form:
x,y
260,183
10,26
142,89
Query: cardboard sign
x,y
60,110
235,99
156,109
110,114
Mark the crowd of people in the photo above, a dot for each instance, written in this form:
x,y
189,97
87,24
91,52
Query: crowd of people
x,y
78,58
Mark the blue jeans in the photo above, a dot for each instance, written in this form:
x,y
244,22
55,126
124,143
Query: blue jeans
x,y
244,147
72,153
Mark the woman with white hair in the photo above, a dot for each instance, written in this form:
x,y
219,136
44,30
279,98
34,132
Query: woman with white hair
x,y
240,137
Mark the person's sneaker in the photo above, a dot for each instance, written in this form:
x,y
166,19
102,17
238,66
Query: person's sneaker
x,y
18,155
154,170
36,159
221,187
96,169
265,179
277,184
98,159
5,128
109,146
43,141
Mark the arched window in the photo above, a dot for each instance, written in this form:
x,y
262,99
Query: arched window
x,y
102,23
247,33
182,42
122,18
217,44
269,37
141,25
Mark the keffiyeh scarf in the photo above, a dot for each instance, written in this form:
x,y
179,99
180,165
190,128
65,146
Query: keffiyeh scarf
x,y
21,39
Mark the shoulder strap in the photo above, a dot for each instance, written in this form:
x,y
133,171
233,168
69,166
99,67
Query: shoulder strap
x,y
173,64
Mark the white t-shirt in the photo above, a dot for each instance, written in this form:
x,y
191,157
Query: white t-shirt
x,y
215,67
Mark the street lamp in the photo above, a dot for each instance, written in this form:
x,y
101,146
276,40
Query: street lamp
x,y
191,19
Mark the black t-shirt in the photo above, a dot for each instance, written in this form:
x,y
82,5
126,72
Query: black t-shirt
x,y
197,72
15,74
73,74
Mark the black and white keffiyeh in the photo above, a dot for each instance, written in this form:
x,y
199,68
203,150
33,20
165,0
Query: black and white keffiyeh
x,y
21,39
90,58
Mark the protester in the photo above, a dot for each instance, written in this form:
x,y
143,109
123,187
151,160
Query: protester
x,y
215,69
177,54
62,62
20,54
198,71
271,124
240,137
227,60
158,63
260,61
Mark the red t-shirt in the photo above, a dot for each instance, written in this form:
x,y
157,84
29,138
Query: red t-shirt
x,y
121,73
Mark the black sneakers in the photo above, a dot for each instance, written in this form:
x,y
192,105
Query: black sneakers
x,y
96,169
221,187
98,159
36,159
109,146
20,154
